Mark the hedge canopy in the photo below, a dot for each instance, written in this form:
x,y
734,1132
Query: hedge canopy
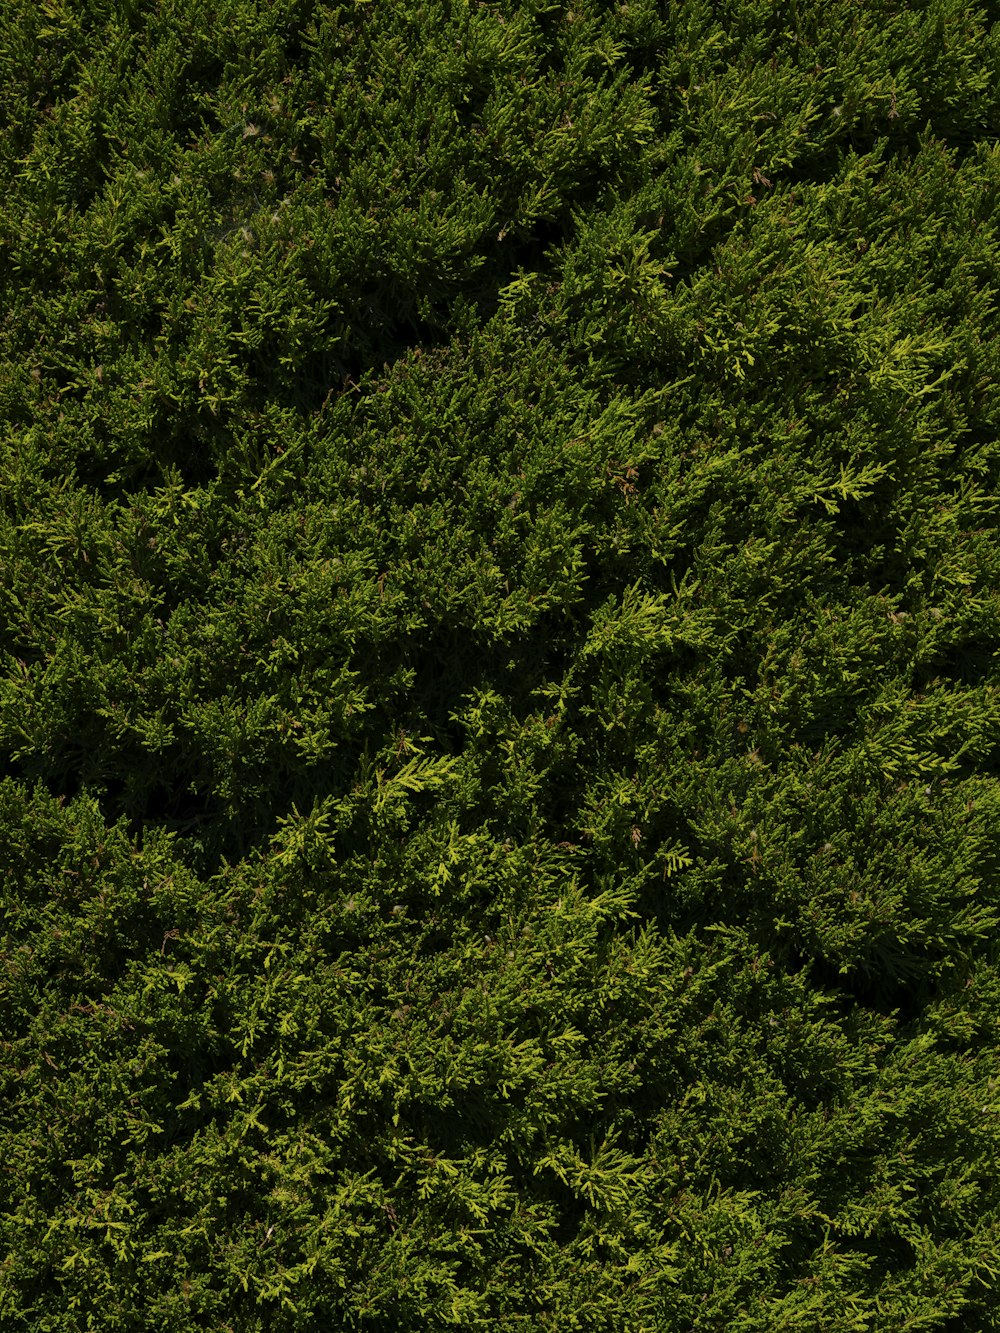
x,y
499,687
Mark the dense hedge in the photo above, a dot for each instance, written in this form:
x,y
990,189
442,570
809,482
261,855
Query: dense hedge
x,y
499,689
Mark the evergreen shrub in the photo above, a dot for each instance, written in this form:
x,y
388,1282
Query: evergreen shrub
x,y
499,687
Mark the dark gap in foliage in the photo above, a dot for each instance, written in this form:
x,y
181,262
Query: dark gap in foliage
x,y
167,807
882,992
65,786
967,664
898,147
888,1253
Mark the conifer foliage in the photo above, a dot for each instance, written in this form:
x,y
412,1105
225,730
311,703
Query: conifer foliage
x,y
499,690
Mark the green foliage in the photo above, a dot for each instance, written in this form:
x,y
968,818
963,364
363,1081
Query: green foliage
x,y
499,705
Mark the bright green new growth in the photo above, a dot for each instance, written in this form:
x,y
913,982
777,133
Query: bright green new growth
x,y
499,689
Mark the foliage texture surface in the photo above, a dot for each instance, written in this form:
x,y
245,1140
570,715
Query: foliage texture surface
x,y
499,687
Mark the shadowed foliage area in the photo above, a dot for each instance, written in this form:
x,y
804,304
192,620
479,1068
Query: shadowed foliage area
x,y
499,688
